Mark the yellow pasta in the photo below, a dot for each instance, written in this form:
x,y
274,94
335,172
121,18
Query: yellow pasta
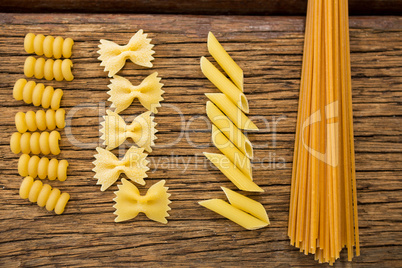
x,y
229,130
115,131
149,93
35,143
108,168
231,111
49,69
43,195
224,84
225,61
37,94
230,151
48,45
233,173
129,202
242,210
138,50
42,167
40,120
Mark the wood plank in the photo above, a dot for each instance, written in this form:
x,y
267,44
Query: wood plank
x,y
204,7
269,49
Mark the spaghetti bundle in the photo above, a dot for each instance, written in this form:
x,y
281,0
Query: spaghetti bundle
x,y
323,206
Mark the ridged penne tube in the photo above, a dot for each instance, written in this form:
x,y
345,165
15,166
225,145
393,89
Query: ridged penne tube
x,y
233,173
225,61
229,130
246,204
232,111
43,195
40,120
241,161
234,214
224,84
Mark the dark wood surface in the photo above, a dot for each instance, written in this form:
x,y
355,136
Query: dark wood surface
x,y
201,7
269,49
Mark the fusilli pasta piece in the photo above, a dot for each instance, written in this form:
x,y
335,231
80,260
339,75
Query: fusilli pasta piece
x,y
138,50
37,94
50,69
129,202
42,167
108,168
40,120
35,143
122,93
141,130
48,45
43,195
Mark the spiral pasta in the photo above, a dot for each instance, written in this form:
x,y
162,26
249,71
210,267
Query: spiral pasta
x,y
43,195
50,69
40,120
35,143
48,45
37,94
34,166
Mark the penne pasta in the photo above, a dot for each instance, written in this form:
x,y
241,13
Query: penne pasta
x,y
234,214
241,161
229,130
232,111
246,204
233,173
225,61
224,84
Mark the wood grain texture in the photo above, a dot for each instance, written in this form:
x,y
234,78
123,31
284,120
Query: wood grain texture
x,y
201,7
269,49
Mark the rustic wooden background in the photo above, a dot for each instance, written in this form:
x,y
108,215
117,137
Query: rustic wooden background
x,y
200,7
269,49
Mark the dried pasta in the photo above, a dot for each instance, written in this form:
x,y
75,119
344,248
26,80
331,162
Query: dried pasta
x,y
108,168
37,94
231,111
48,45
44,195
149,93
129,202
229,130
34,166
225,61
49,69
35,143
233,173
224,84
241,161
40,120
323,215
141,130
138,50
242,210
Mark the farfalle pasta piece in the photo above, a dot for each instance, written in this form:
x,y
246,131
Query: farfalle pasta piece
x,y
129,202
138,50
149,93
115,131
108,168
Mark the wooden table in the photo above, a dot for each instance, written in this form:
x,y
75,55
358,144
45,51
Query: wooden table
x,y
269,49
